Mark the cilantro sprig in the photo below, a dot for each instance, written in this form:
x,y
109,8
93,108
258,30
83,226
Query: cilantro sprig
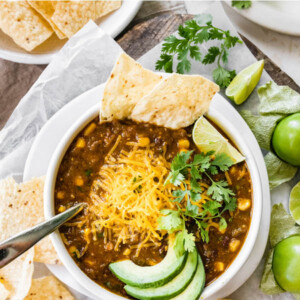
x,y
183,169
186,45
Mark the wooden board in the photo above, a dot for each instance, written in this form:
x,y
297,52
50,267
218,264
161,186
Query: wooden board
x,y
136,40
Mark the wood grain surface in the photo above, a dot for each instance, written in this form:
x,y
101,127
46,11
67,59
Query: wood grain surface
x,y
136,40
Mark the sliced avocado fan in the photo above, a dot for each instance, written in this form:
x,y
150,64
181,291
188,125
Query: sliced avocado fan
x,y
150,276
173,287
195,288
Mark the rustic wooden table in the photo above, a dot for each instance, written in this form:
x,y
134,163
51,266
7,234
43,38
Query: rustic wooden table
x,y
136,40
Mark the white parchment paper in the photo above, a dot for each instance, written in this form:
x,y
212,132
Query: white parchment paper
x,y
85,62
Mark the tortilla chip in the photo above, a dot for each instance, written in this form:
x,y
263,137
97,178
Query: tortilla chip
x,y
176,102
21,207
17,276
46,9
71,16
105,7
48,288
128,83
4,293
23,24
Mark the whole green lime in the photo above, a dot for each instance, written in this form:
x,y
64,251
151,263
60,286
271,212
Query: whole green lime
x,y
286,264
286,139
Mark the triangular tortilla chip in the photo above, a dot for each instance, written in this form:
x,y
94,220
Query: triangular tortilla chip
x,y
176,102
71,16
48,288
23,24
128,83
46,9
105,7
22,207
17,276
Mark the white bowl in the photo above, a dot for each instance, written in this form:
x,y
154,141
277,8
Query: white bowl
x,y
112,24
210,292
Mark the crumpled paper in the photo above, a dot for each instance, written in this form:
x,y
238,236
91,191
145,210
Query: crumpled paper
x,y
85,62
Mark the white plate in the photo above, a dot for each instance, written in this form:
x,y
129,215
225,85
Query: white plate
x,y
52,132
112,24
281,16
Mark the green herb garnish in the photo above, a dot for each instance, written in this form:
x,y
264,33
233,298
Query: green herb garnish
x,y
184,168
241,4
88,172
191,34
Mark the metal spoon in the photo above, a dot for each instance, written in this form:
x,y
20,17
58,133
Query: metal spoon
x,y
13,247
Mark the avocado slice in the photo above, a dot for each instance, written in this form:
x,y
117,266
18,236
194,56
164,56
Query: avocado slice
x,y
173,287
195,288
153,276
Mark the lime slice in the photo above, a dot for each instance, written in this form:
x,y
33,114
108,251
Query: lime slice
x,y
295,203
208,138
244,82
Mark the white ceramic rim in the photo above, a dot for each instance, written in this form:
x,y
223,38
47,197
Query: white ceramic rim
x,y
220,282
130,9
268,17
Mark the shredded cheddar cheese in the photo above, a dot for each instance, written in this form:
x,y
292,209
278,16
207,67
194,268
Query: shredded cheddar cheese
x,y
127,198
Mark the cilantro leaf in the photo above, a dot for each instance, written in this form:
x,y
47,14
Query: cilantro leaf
x,y
204,233
211,55
244,4
231,204
179,194
222,161
222,224
180,160
165,62
203,19
184,242
222,76
219,191
170,221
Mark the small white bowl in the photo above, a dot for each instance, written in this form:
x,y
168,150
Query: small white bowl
x,y
211,291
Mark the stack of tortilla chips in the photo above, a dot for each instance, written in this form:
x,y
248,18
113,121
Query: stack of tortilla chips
x,y
30,23
21,207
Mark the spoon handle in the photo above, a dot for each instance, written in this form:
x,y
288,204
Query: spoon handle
x,y
14,246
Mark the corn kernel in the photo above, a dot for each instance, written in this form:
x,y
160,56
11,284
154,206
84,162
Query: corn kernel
x,y
219,266
79,181
72,249
234,245
222,231
144,141
61,209
183,150
80,143
183,144
127,251
60,195
244,204
90,129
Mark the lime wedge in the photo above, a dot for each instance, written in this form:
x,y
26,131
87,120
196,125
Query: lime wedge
x,y
208,138
244,82
295,203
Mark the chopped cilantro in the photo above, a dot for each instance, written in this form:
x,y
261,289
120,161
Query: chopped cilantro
x,y
184,168
88,172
